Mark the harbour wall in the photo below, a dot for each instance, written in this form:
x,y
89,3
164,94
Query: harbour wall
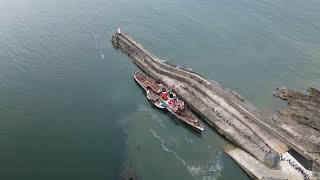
x,y
255,121
153,67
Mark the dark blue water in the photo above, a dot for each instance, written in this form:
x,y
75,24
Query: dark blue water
x,y
69,108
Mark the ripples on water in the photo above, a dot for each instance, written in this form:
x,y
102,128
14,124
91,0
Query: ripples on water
x,y
212,171
64,88
152,114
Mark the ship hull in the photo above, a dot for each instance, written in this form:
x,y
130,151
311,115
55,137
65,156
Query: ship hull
x,y
185,121
194,127
153,96
146,90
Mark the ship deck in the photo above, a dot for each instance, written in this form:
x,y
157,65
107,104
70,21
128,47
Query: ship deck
x,y
147,82
153,93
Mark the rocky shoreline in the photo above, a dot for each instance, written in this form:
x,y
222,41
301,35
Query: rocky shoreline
x,y
301,118
303,108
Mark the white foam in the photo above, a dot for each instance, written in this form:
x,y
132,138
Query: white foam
x,y
196,170
209,172
166,149
159,120
173,141
153,115
97,47
216,165
96,42
189,140
163,60
102,56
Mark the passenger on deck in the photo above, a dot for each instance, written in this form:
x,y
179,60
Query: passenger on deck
x,y
164,94
171,101
175,97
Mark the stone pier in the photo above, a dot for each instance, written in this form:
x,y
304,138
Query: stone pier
x,y
231,115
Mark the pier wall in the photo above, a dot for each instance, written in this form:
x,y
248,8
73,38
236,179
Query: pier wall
x,y
206,87
254,121
153,67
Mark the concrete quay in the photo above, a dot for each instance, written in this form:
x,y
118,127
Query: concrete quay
x,y
259,171
221,108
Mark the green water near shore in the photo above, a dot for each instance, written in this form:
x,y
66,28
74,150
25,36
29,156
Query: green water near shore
x,y
69,108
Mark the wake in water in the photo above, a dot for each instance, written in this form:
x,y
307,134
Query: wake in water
x,y
189,140
166,149
97,47
210,172
102,56
153,115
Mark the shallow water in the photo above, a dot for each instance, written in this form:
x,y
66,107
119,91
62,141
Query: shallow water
x,y
70,109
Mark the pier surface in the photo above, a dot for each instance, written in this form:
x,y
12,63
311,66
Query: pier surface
x,y
261,140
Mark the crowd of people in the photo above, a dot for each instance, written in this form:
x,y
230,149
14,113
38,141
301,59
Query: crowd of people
x,y
264,148
145,61
295,166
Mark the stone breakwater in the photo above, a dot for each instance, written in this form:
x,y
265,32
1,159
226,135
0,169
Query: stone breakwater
x,y
223,109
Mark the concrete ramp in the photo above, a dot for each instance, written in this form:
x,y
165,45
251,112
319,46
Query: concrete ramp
x,y
255,168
